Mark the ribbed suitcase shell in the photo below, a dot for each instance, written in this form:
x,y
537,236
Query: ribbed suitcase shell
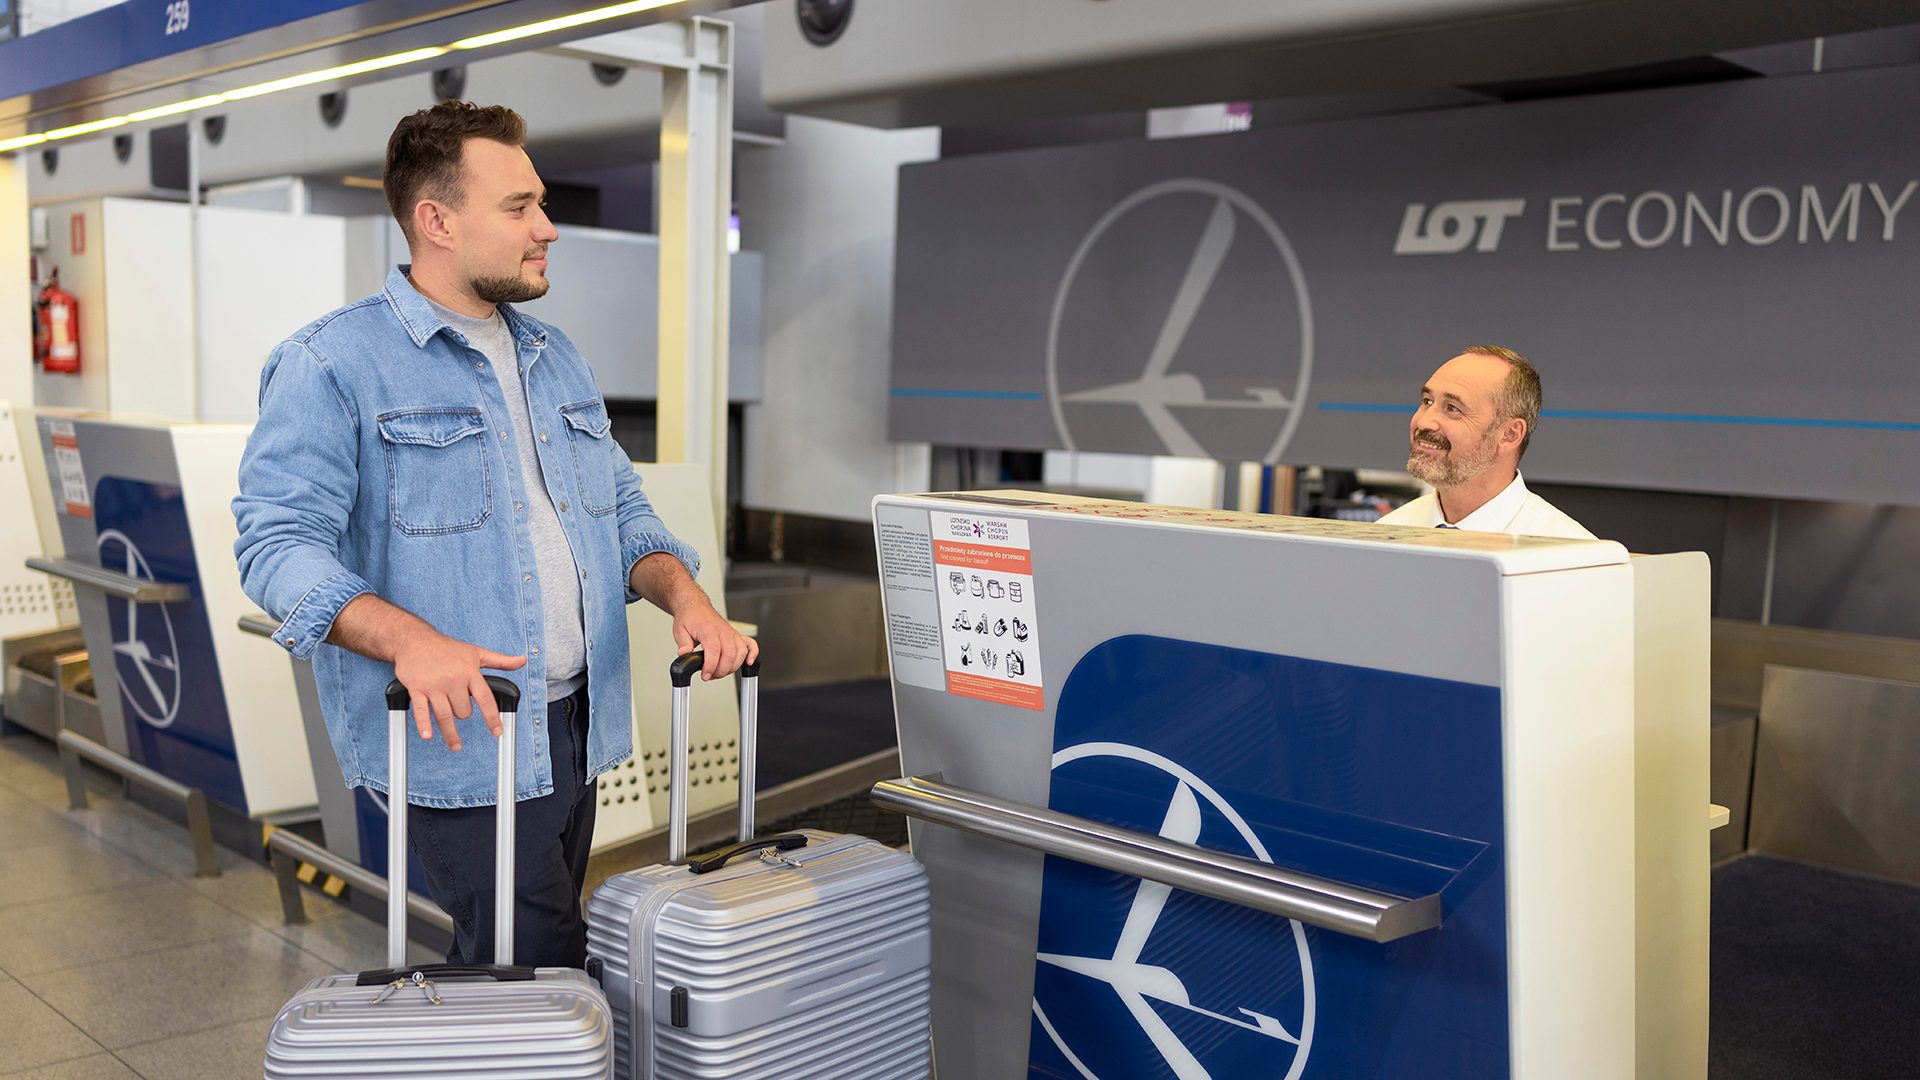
x,y
553,1028
810,964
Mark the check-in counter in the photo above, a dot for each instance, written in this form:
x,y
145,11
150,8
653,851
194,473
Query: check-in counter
x,y
1243,796
143,508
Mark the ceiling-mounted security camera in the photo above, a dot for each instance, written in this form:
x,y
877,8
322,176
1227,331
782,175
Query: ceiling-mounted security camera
x,y
333,108
823,21
450,83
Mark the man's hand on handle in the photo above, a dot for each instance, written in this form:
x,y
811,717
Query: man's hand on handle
x,y
444,675
663,581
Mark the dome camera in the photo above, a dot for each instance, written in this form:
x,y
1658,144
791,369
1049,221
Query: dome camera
x,y
823,21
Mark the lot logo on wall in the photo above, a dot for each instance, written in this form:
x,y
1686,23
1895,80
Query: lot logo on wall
x,y
146,653
1164,982
1183,311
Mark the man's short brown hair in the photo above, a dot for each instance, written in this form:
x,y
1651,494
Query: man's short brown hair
x,y
423,154
1519,397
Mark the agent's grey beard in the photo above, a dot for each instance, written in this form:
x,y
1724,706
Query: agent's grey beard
x,y
1448,471
508,290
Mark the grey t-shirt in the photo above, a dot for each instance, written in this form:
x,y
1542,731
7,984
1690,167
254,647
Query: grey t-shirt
x,y
565,647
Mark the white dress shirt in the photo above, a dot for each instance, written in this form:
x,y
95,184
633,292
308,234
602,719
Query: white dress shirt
x,y
1515,510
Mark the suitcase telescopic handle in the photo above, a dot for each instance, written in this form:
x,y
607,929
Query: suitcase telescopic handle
x,y
506,697
682,671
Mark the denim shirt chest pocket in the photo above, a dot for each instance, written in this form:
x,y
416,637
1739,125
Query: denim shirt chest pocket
x,y
589,430
438,479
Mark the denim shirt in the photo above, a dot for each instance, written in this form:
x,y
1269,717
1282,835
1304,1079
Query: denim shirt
x,y
384,462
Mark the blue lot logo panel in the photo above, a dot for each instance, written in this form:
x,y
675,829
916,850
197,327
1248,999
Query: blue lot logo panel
x,y
170,690
1376,778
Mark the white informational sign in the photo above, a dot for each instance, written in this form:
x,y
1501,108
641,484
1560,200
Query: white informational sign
x,y
75,497
913,609
989,620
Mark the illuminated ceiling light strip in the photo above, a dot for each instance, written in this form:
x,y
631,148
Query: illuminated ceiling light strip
x,y
344,71
175,109
87,128
564,22
21,143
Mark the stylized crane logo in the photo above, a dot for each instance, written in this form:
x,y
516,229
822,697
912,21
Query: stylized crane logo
x,y
153,661
1139,985
1159,390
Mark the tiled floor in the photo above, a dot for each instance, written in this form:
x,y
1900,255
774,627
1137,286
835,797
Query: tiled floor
x,y
116,963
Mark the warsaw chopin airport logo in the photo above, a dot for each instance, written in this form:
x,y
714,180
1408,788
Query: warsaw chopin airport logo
x,y
1164,982
1181,326
146,654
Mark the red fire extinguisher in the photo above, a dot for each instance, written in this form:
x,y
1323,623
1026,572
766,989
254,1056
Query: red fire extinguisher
x,y
56,338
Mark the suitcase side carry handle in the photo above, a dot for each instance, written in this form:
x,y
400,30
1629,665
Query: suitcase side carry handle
x,y
496,972
682,671
714,860
506,697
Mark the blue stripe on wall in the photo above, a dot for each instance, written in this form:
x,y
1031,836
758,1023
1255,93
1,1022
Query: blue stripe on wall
x,y
1659,417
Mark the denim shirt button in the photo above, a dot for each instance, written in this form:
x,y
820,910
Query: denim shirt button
x,y
563,506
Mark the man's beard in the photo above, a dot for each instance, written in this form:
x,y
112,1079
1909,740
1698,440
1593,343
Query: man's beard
x,y
508,290
1447,470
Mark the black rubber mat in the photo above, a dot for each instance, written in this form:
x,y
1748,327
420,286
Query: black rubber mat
x,y
808,729
1813,974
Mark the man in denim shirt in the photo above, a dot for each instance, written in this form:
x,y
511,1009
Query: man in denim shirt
x,y
432,491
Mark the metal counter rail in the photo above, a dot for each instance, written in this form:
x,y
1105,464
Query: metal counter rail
x,y
1330,905
74,747
112,582
287,850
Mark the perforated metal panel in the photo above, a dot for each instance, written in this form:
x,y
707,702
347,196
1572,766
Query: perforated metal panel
x,y
29,600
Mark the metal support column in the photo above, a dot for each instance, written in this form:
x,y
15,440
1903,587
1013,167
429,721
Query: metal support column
x,y
695,61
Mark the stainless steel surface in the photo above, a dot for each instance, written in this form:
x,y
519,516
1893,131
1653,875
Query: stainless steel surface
x,y
712,827
505,771
111,582
1834,768
749,751
258,624
1731,777
74,747
399,726
397,837
1741,650
290,849
677,775
1316,901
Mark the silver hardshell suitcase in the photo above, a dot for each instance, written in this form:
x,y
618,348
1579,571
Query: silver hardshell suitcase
x,y
446,1020
809,961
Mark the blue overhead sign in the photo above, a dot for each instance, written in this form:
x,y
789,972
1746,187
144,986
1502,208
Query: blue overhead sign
x,y
136,32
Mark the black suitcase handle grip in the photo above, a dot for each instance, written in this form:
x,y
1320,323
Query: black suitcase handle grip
x,y
496,972
714,860
687,665
505,695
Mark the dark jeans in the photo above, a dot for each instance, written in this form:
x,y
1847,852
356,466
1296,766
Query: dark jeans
x,y
552,836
